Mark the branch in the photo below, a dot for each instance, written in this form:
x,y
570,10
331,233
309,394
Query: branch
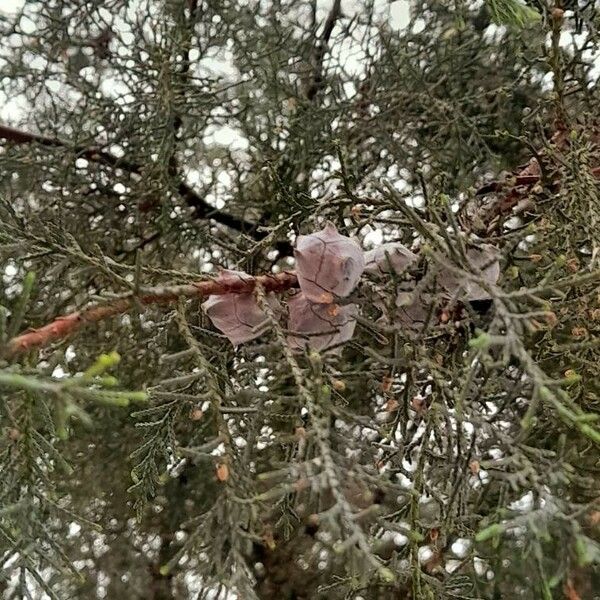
x,y
202,209
69,324
321,48
93,153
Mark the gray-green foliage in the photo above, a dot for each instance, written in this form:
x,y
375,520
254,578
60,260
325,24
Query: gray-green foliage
x,y
513,13
154,140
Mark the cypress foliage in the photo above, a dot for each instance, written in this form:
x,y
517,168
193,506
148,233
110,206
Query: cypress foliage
x,y
193,407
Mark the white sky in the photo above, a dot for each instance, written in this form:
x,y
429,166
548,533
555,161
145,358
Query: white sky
x,y
11,7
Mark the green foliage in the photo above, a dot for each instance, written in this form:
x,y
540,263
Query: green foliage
x,y
513,13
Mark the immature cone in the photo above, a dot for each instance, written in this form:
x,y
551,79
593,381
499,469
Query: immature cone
x,y
412,309
320,326
328,264
238,316
409,311
484,262
387,258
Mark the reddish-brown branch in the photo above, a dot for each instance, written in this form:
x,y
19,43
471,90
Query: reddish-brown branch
x,y
69,324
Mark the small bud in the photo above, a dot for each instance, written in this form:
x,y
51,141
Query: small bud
x,y
512,272
301,484
338,385
196,414
14,435
391,405
593,518
313,520
269,539
222,472
481,342
333,310
386,575
571,377
418,404
356,211
573,265
474,467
